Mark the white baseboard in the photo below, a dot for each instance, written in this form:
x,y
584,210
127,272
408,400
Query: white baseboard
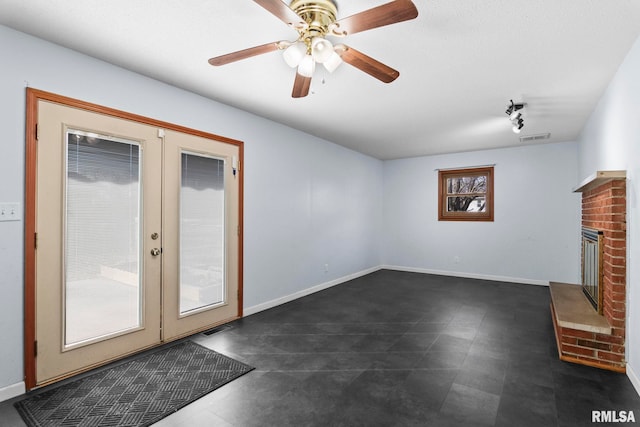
x,y
12,391
467,275
634,378
322,286
287,298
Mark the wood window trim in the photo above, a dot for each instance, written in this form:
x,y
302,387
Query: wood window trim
x,y
443,175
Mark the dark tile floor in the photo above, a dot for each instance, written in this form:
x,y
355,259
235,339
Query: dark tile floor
x,y
403,349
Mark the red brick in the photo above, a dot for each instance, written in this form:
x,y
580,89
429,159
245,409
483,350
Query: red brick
x,y
616,280
579,334
618,270
618,314
617,287
614,236
618,193
620,209
615,243
619,252
616,201
619,332
618,217
617,349
616,323
610,339
613,357
618,300
594,344
620,261
578,350
607,312
612,225
617,265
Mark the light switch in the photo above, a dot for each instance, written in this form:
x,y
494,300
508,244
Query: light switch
x,y
10,212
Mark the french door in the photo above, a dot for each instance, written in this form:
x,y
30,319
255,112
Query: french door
x,y
136,237
201,239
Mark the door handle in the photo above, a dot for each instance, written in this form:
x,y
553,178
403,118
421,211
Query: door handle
x,y
155,251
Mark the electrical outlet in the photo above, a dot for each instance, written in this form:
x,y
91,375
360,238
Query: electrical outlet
x,y
10,212
326,268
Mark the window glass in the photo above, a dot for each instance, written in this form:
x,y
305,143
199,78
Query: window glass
x,y
465,194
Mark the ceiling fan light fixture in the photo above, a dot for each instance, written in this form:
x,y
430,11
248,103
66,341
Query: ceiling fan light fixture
x,y
515,115
321,49
317,19
333,62
307,66
293,54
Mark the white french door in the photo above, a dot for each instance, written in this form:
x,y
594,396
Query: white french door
x,y
137,237
200,243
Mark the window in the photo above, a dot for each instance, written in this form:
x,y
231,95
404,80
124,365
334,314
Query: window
x,y
465,194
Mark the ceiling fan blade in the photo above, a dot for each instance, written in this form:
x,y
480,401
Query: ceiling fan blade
x,y
245,53
386,14
301,86
367,64
282,12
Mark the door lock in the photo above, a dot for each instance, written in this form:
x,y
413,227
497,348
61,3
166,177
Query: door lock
x,y
155,251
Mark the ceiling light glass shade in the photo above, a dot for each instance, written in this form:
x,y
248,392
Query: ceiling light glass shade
x,y
307,66
515,115
321,49
333,62
294,54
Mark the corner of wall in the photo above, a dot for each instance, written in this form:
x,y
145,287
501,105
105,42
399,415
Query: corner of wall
x,y
633,377
313,289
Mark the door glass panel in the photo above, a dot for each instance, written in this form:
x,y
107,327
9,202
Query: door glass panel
x,y
202,275
102,230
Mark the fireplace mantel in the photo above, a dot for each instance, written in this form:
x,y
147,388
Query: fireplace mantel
x,y
599,178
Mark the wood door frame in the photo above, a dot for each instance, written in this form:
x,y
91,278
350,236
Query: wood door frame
x,y
33,96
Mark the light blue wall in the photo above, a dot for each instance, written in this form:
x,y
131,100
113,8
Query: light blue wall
x,y
535,234
308,202
611,141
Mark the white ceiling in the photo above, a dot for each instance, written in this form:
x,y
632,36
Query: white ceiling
x,y
460,63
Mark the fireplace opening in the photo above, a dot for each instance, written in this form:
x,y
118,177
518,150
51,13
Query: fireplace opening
x,y
592,259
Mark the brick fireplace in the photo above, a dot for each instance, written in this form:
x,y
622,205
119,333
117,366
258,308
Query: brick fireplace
x,y
583,335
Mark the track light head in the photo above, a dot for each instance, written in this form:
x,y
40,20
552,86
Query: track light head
x,y
517,125
509,109
515,115
513,108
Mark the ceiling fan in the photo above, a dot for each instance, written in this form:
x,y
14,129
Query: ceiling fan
x,y
316,19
